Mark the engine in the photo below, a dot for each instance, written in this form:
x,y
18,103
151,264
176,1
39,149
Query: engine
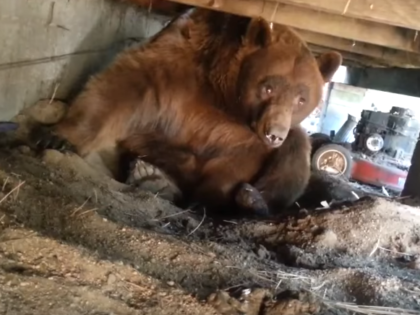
x,y
387,137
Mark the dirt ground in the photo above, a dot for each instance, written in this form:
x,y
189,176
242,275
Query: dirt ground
x,y
73,241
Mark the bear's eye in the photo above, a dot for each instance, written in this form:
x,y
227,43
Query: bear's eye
x,y
301,101
267,90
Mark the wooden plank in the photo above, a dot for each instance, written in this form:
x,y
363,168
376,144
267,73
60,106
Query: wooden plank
x,y
358,60
352,59
324,23
393,57
403,13
159,6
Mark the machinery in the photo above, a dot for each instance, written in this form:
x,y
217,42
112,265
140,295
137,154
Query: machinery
x,y
379,156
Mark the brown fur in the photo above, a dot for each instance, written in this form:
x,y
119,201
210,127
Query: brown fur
x,y
286,174
241,57
174,94
281,180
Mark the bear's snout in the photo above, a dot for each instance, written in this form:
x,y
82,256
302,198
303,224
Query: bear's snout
x,y
276,136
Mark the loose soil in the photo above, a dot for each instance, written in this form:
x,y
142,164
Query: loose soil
x,y
73,241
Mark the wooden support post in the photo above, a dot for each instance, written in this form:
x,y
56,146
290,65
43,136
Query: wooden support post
x,y
412,185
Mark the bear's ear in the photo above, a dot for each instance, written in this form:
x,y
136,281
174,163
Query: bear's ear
x,y
328,64
258,33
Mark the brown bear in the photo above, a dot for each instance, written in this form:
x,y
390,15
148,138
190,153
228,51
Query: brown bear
x,y
283,183
193,90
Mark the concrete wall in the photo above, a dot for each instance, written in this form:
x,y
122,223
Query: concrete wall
x,y
344,100
48,44
313,123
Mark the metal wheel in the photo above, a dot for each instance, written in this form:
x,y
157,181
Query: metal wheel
x,y
333,159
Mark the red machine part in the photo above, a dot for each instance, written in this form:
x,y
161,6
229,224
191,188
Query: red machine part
x,y
379,175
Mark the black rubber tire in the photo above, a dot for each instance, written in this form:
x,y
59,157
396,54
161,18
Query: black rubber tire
x,y
333,147
318,135
317,140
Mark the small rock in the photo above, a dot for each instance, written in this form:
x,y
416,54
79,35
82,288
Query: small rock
x,y
327,239
24,149
52,156
211,254
170,283
415,264
111,279
47,112
263,252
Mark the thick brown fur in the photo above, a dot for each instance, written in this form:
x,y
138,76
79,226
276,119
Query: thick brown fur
x,y
193,90
281,180
286,174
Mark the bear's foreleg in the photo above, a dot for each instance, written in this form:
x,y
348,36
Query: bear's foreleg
x,y
225,184
215,182
285,175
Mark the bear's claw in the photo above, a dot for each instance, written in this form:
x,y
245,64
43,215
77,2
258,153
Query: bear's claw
x,y
44,138
249,198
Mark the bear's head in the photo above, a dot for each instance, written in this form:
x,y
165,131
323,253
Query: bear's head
x,y
280,82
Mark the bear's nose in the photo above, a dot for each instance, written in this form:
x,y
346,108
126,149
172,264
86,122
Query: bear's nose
x,y
276,136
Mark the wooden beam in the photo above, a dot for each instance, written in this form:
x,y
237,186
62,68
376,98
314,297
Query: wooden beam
x,y
352,59
403,13
393,57
324,23
159,6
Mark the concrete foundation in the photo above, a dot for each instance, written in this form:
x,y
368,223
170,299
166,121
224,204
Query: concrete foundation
x,y
55,45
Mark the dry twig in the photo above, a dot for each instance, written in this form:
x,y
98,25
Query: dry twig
x,y
375,248
5,183
86,212
346,7
394,251
54,93
370,310
11,192
198,226
79,208
172,215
